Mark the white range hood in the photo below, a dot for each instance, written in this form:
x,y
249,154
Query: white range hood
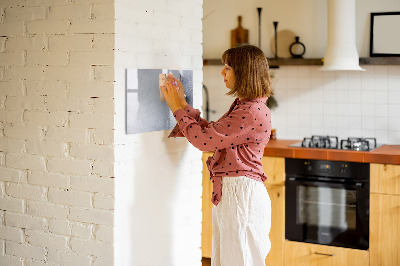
x,y
341,51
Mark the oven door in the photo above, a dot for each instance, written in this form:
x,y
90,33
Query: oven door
x,y
327,213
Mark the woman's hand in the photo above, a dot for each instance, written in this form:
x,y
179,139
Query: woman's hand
x,y
173,94
181,91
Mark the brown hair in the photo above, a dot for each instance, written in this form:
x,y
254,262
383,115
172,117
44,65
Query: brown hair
x,y
250,66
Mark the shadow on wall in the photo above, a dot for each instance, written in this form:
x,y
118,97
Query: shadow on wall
x,y
153,214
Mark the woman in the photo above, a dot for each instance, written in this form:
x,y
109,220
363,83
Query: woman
x,y
242,208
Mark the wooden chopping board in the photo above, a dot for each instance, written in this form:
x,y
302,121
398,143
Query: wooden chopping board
x,y
239,35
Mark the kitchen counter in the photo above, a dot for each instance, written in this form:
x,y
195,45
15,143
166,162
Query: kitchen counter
x,y
389,154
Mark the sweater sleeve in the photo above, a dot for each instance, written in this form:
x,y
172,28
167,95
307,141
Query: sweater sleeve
x,y
231,130
193,113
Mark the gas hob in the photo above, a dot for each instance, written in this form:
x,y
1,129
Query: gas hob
x,y
332,142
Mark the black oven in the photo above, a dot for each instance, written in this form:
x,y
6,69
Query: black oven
x,y
327,202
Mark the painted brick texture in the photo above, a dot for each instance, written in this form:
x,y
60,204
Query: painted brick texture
x,y
157,180
56,132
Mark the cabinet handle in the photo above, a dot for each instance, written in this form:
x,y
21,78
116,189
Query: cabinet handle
x,y
324,254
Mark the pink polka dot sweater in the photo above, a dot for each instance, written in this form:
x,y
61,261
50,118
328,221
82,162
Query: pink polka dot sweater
x,y
238,139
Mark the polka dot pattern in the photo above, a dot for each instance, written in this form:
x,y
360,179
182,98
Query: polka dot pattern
x,y
238,139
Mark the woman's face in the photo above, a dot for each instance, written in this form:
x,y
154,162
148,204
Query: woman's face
x,y
229,76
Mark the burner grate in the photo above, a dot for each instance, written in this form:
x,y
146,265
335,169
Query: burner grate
x,y
358,144
327,142
332,142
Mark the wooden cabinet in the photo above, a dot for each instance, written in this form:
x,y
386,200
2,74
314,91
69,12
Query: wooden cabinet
x,y
385,178
206,226
274,168
277,233
304,254
385,215
384,221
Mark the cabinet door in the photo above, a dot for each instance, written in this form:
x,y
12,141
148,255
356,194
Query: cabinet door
x,y
206,232
385,178
274,168
384,229
277,233
304,254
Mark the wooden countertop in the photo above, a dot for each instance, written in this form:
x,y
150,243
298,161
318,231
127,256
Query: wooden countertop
x,y
389,154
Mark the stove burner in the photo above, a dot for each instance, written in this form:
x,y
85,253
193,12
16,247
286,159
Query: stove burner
x,y
328,142
358,144
332,142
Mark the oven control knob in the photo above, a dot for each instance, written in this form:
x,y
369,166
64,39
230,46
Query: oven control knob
x,y
343,168
308,166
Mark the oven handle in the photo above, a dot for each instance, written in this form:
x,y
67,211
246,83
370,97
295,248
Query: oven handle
x,y
357,185
324,254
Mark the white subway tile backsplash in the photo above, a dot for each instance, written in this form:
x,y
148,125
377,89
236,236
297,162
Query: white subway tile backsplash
x,y
347,103
367,133
278,83
394,97
304,72
380,71
394,137
354,122
329,93
342,109
355,132
381,123
317,119
329,123
381,97
305,95
315,71
355,96
381,84
393,71
394,83
367,96
292,82
328,74
394,110
317,95
329,109
342,81
293,120
317,131
382,136
367,110
304,109
342,96
304,82
382,110
291,71
354,84
342,122
394,123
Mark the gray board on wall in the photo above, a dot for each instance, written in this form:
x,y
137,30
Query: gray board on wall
x,y
145,112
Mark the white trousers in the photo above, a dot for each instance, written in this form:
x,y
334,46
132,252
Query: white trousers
x,y
241,223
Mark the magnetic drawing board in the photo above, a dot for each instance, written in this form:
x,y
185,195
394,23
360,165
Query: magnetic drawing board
x,y
145,111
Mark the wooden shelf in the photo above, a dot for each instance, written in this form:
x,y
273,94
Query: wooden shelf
x,y
380,61
295,62
274,63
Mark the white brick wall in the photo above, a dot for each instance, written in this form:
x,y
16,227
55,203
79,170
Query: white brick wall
x,y
156,177
56,132
60,134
